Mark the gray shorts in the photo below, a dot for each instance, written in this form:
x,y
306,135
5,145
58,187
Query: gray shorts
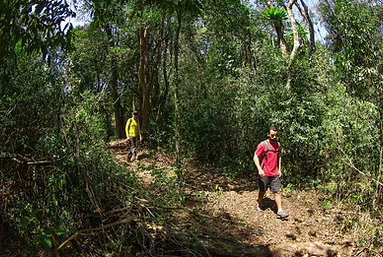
x,y
274,183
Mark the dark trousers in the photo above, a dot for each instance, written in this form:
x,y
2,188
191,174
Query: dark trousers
x,y
132,148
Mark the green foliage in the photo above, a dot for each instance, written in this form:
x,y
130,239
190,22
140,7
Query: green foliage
x,y
218,191
326,205
169,185
355,110
89,61
33,26
24,103
208,124
352,141
55,145
231,87
275,16
225,119
227,30
356,40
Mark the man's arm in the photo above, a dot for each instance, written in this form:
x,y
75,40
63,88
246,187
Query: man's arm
x,y
280,166
258,165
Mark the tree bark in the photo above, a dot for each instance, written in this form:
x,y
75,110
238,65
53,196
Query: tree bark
x,y
278,30
118,114
154,87
176,85
306,15
281,40
270,4
296,41
144,101
248,54
166,74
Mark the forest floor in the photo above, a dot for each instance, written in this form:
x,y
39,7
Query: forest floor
x,y
220,218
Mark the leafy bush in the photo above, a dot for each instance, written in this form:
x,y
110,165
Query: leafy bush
x,y
55,165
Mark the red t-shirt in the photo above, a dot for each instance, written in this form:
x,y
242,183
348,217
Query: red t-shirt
x,y
269,164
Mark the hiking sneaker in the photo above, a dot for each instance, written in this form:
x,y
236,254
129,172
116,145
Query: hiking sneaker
x,y
281,214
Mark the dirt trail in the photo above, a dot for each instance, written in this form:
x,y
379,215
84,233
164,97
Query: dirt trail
x,y
220,217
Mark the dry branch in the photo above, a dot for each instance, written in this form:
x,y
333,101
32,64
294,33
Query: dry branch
x,y
39,162
91,230
350,164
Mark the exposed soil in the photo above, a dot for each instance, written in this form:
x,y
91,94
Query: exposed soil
x,y
220,217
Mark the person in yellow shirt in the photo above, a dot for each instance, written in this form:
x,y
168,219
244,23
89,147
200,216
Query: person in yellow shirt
x,y
133,132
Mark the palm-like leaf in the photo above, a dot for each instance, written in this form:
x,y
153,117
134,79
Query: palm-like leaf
x,y
275,16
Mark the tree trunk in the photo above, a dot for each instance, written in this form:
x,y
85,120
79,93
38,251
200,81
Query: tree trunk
x,y
248,54
144,94
306,15
270,4
148,90
296,41
281,40
154,87
166,75
176,85
118,115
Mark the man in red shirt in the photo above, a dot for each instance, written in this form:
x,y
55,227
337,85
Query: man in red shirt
x,y
268,161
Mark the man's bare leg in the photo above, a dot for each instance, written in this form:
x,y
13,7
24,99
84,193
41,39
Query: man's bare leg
x,y
261,194
281,214
278,201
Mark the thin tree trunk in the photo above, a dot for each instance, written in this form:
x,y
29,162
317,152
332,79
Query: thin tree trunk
x,y
248,54
278,29
166,74
144,102
281,40
118,115
296,41
306,15
176,85
154,88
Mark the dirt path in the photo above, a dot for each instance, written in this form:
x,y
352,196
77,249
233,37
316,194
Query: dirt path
x,y
220,217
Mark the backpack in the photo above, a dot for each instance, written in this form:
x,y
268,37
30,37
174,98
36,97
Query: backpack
x,y
268,149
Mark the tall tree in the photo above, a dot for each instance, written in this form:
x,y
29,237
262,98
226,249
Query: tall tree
x,y
306,15
151,33
296,43
355,37
143,87
276,17
118,113
107,18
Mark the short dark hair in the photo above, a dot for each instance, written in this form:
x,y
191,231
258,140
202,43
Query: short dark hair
x,y
275,128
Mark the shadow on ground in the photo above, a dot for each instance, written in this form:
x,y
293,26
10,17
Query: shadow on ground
x,y
200,229
10,240
198,232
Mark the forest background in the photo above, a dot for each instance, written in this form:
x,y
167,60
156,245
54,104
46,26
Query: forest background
x,y
207,77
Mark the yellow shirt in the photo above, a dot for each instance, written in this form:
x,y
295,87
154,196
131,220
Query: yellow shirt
x,y
132,128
